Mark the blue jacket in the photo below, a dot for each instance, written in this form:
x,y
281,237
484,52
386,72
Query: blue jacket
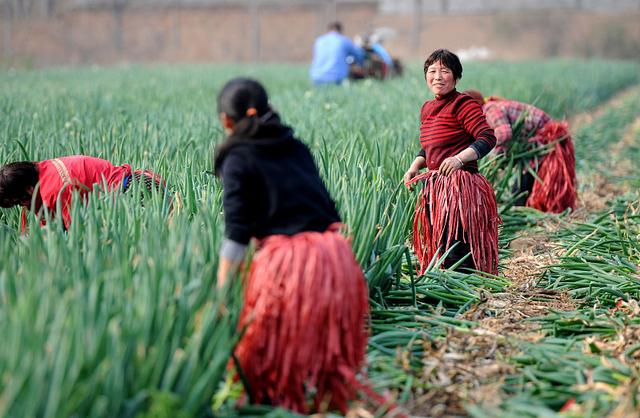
x,y
382,53
330,53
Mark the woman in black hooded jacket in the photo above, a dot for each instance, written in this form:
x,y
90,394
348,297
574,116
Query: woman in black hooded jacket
x,y
305,300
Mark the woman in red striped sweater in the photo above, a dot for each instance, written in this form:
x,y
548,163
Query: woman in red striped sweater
x,y
456,210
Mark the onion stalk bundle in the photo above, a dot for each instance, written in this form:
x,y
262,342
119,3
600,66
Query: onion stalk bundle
x,y
602,257
505,170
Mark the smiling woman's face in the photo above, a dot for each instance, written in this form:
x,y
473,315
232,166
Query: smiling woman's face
x,y
440,79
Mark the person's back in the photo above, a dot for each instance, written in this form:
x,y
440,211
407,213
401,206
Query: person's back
x,y
330,53
79,171
60,177
382,53
504,115
285,194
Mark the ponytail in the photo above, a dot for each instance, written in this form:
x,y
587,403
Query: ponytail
x,y
248,125
245,101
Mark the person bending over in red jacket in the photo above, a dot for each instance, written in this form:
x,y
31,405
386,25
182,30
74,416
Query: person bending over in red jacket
x,y
50,183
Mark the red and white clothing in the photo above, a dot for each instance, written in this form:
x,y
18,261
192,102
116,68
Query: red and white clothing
x,y
60,177
554,189
503,114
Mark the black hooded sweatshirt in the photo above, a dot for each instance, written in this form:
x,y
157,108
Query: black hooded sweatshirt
x,y
271,186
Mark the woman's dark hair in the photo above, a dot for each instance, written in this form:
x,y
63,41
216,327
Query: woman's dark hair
x,y
15,181
448,59
245,101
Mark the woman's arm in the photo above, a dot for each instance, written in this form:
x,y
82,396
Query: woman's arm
x,y
231,258
418,164
237,216
474,122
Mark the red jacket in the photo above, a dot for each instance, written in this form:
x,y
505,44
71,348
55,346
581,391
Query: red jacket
x,y
59,177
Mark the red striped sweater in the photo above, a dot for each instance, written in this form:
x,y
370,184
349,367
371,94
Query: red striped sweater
x,y
451,123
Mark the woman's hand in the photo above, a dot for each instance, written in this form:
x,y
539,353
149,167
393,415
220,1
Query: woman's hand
x,y
450,165
410,174
418,164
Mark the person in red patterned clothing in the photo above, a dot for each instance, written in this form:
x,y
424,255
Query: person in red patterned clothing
x,y
54,182
457,210
555,190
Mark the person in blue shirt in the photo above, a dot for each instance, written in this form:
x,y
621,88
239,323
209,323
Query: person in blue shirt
x,y
330,54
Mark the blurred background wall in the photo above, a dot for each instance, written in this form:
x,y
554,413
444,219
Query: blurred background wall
x,y
80,32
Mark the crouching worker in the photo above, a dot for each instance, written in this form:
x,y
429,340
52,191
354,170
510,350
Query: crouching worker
x,y
305,299
554,189
54,182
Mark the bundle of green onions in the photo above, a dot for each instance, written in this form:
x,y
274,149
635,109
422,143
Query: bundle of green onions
x,y
505,170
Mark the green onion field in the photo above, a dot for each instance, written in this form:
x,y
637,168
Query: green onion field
x,y
119,316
